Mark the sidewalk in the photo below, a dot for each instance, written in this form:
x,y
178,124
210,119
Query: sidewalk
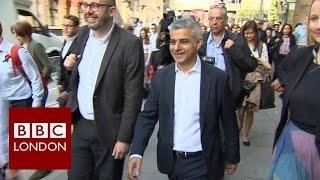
x,y
255,159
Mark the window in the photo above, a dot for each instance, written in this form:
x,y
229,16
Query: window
x,y
54,12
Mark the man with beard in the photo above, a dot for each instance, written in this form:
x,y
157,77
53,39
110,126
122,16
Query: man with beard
x,y
106,93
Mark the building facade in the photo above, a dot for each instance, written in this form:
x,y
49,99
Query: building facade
x,y
51,12
301,11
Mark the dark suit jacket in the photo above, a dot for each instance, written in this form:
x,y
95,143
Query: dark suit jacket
x,y
118,91
65,74
238,61
296,64
215,103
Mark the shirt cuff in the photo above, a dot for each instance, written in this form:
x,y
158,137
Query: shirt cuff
x,y
135,156
36,103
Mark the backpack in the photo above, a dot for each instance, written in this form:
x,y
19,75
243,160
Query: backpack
x,y
17,65
16,62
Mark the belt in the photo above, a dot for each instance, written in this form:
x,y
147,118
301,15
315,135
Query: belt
x,y
186,155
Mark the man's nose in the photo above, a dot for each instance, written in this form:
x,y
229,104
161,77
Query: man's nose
x,y
176,47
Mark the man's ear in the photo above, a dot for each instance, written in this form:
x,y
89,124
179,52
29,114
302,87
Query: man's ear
x,y
199,43
112,11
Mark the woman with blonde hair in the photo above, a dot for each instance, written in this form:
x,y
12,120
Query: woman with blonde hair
x,y
297,139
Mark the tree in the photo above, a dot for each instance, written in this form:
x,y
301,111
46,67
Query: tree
x,y
274,10
249,10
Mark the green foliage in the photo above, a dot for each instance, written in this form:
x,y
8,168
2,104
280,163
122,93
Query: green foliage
x,y
249,10
245,14
274,11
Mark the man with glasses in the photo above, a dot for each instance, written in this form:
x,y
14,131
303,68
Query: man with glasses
x,y
70,30
106,93
229,51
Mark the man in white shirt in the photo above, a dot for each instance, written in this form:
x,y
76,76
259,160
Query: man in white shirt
x,y
70,30
105,93
153,37
18,88
188,97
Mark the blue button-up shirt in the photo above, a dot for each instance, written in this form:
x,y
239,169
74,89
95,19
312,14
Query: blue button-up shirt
x,y
214,50
300,34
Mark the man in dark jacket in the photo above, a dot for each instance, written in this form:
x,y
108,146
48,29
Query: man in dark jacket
x,y
190,99
230,52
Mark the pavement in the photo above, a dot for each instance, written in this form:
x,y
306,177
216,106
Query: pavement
x,y
255,159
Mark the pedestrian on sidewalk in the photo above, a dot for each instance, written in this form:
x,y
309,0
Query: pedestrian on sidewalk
x,y
251,103
296,154
20,86
106,93
22,30
228,51
70,31
189,98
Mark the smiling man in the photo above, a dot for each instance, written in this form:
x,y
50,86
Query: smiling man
x,y
106,94
187,98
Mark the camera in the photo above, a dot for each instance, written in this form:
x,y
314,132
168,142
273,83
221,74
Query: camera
x,y
209,60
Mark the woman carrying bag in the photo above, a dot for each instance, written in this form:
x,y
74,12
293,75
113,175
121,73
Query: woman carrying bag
x,y
251,103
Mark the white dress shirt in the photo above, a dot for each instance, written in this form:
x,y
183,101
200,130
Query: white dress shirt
x,y
153,41
88,71
15,86
67,45
187,110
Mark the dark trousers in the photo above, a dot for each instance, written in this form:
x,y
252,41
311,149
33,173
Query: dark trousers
x,y
193,168
21,103
277,63
91,160
45,96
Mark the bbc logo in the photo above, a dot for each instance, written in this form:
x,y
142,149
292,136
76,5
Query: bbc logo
x,y
39,130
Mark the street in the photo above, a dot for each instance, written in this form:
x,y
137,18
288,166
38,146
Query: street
x,y
255,159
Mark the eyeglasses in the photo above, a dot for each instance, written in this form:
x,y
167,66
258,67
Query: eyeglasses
x,y
93,6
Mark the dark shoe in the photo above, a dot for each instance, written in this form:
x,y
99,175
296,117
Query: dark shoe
x,y
246,143
39,174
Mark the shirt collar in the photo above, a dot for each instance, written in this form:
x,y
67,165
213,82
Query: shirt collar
x,y
103,40
210,38
196,68
70,38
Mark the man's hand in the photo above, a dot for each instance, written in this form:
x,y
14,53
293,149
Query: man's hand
x,y
228,44
64,95
60,88
134,168
230,168
120,150
277,86
70,61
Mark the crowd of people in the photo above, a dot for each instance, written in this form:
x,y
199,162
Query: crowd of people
x,y
201,83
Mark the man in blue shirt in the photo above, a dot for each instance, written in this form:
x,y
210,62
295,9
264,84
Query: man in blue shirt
x,y
230,52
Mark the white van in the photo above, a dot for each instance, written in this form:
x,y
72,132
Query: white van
x,y
13,10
